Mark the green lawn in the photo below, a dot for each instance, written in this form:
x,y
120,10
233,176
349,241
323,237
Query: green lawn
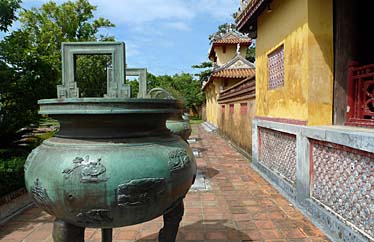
x,y
196,121
11,174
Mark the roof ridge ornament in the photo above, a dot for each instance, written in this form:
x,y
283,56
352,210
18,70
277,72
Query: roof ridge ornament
x,y
238,49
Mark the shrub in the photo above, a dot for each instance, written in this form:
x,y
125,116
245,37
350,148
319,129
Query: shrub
x,y
11,174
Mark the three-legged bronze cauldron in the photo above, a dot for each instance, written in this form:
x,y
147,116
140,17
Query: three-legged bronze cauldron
x,y
113,162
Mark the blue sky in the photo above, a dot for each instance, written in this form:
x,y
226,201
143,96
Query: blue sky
x,y
165,36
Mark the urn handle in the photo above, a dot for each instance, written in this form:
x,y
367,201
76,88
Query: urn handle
x,y
159,93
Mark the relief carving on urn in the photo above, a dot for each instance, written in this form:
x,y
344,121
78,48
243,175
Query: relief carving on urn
x,y
87,170
140,192
178,159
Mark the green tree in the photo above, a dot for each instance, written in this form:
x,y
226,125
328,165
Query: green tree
x,y
222,29
189,89
251,53
31,57
206,69
165,82
91,74
134,84
8,9
181,86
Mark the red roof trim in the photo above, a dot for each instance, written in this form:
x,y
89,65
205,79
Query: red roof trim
x,y
253,8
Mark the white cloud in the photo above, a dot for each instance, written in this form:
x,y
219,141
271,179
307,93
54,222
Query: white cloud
x,y
141,11
178,26
220,9
132,49
153,30
146,29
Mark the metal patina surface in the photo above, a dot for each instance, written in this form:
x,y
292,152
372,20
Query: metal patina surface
x,y
113,162
180,125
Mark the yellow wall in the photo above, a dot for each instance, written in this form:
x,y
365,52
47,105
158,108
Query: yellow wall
x,y
208,106
304,28
212,93
223,58
321,62
237,126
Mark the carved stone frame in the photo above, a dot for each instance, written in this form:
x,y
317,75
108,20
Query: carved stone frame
x,y
142,74
115,84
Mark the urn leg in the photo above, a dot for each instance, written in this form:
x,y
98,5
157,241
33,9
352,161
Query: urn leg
x,y
65,232
171,223
106,235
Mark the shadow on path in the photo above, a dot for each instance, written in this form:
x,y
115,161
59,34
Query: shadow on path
x,y
206,230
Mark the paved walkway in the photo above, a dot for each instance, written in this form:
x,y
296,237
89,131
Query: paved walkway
x,y
241,206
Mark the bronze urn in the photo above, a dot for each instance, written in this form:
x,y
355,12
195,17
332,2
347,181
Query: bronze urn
x,y
113,162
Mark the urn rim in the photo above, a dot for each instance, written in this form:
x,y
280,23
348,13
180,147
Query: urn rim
x,y
88,106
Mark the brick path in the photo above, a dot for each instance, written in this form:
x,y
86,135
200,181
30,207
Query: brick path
x,y
240,207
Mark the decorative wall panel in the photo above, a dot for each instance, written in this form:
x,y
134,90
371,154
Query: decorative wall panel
x,y
343,179
278,153
276,68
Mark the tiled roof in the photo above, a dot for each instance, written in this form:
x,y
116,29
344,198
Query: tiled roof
x,y
234,73
237,68
242,41
230,38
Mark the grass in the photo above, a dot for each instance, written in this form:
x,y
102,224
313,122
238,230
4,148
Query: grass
x,y
45,136
196,121
46,121
11,174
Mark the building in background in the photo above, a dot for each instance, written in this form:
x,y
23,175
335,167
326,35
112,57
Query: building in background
x,y
314,85
230,90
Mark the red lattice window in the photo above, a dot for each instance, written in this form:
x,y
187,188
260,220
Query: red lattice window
x,y
243,108
276,68
231,108
360,109
223,108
